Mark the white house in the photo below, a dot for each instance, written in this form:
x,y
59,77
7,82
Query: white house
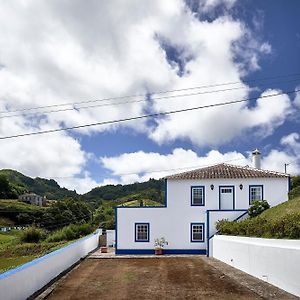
x,y
33,199
194,202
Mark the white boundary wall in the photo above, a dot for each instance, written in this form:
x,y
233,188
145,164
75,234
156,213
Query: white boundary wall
x,y
110,238
272,260
23,281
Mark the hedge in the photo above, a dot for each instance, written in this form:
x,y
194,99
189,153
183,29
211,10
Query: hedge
x,y
285,227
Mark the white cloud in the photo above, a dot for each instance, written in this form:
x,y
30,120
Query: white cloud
x,y
297,97
220,125
140,166
61,51
81,184
56,155
69,51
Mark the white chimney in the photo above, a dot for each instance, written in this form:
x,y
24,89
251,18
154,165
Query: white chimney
x,y
256,158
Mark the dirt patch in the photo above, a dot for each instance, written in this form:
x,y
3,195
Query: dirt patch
x,y
169,278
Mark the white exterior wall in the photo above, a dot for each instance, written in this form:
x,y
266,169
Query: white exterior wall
x,y
110,238
271,260
23,281
173,222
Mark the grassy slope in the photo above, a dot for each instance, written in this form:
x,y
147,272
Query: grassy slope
x,y
14,253
281,221
145,203
283,209
13,205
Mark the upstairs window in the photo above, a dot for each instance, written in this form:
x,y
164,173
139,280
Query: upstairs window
x,y
255,193
197,196
142,232
197,232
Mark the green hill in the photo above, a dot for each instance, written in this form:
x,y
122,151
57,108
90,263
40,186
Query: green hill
x,y
152,190
141,203
20,184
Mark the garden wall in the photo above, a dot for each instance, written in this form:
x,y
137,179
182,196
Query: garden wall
x,y
23,281
272,260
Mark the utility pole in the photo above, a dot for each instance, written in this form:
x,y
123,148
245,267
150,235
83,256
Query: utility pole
x,y
285,168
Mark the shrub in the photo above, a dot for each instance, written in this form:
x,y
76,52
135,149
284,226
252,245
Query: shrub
x,y
257,207
32,235
295,192
70,232
287,226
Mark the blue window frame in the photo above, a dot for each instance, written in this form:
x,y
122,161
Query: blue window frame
x,y
141,232
197,232
256,192
198,196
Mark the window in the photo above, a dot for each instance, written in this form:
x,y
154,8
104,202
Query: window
x,y
198,196
142,232
226,190
255,193
197,232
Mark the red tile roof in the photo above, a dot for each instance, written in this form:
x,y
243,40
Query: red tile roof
x,y
227,171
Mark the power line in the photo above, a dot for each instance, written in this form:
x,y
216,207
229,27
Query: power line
x,y
118,103
153,92
128,102
147,115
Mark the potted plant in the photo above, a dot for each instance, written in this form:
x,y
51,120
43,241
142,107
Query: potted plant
x,y
159,244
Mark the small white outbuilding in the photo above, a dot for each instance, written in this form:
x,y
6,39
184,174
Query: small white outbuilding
x,y
194,202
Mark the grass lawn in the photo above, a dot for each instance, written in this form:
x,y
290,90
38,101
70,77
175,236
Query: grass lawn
x,y
14,253
283,209
12,262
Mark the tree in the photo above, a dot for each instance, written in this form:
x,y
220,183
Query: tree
x,y
6,191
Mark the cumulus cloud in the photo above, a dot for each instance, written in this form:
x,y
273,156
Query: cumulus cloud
x,y
220,125
68,51
73,51
140,166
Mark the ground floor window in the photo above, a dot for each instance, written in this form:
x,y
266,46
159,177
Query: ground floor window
x,y
142,232
255,193
197,232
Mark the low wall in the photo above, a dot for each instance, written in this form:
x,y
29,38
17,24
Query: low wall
x,y
272,260
110,238
23,281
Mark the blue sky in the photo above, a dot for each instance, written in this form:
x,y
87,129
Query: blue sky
x,y
74,52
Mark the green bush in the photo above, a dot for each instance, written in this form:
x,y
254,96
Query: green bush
x,y
32,235
257,207
70,232
295,192
287,226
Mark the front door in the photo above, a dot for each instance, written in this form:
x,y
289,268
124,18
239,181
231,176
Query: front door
x,y
226,197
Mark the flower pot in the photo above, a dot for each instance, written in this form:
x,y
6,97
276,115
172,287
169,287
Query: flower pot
x,y
103,249
158,251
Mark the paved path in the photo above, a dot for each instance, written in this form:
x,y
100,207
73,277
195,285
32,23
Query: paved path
x,y
168,278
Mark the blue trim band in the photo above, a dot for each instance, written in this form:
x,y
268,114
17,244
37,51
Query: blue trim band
x,y
116,228
165,251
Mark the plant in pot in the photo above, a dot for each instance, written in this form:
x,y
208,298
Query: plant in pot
x,y
159,244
